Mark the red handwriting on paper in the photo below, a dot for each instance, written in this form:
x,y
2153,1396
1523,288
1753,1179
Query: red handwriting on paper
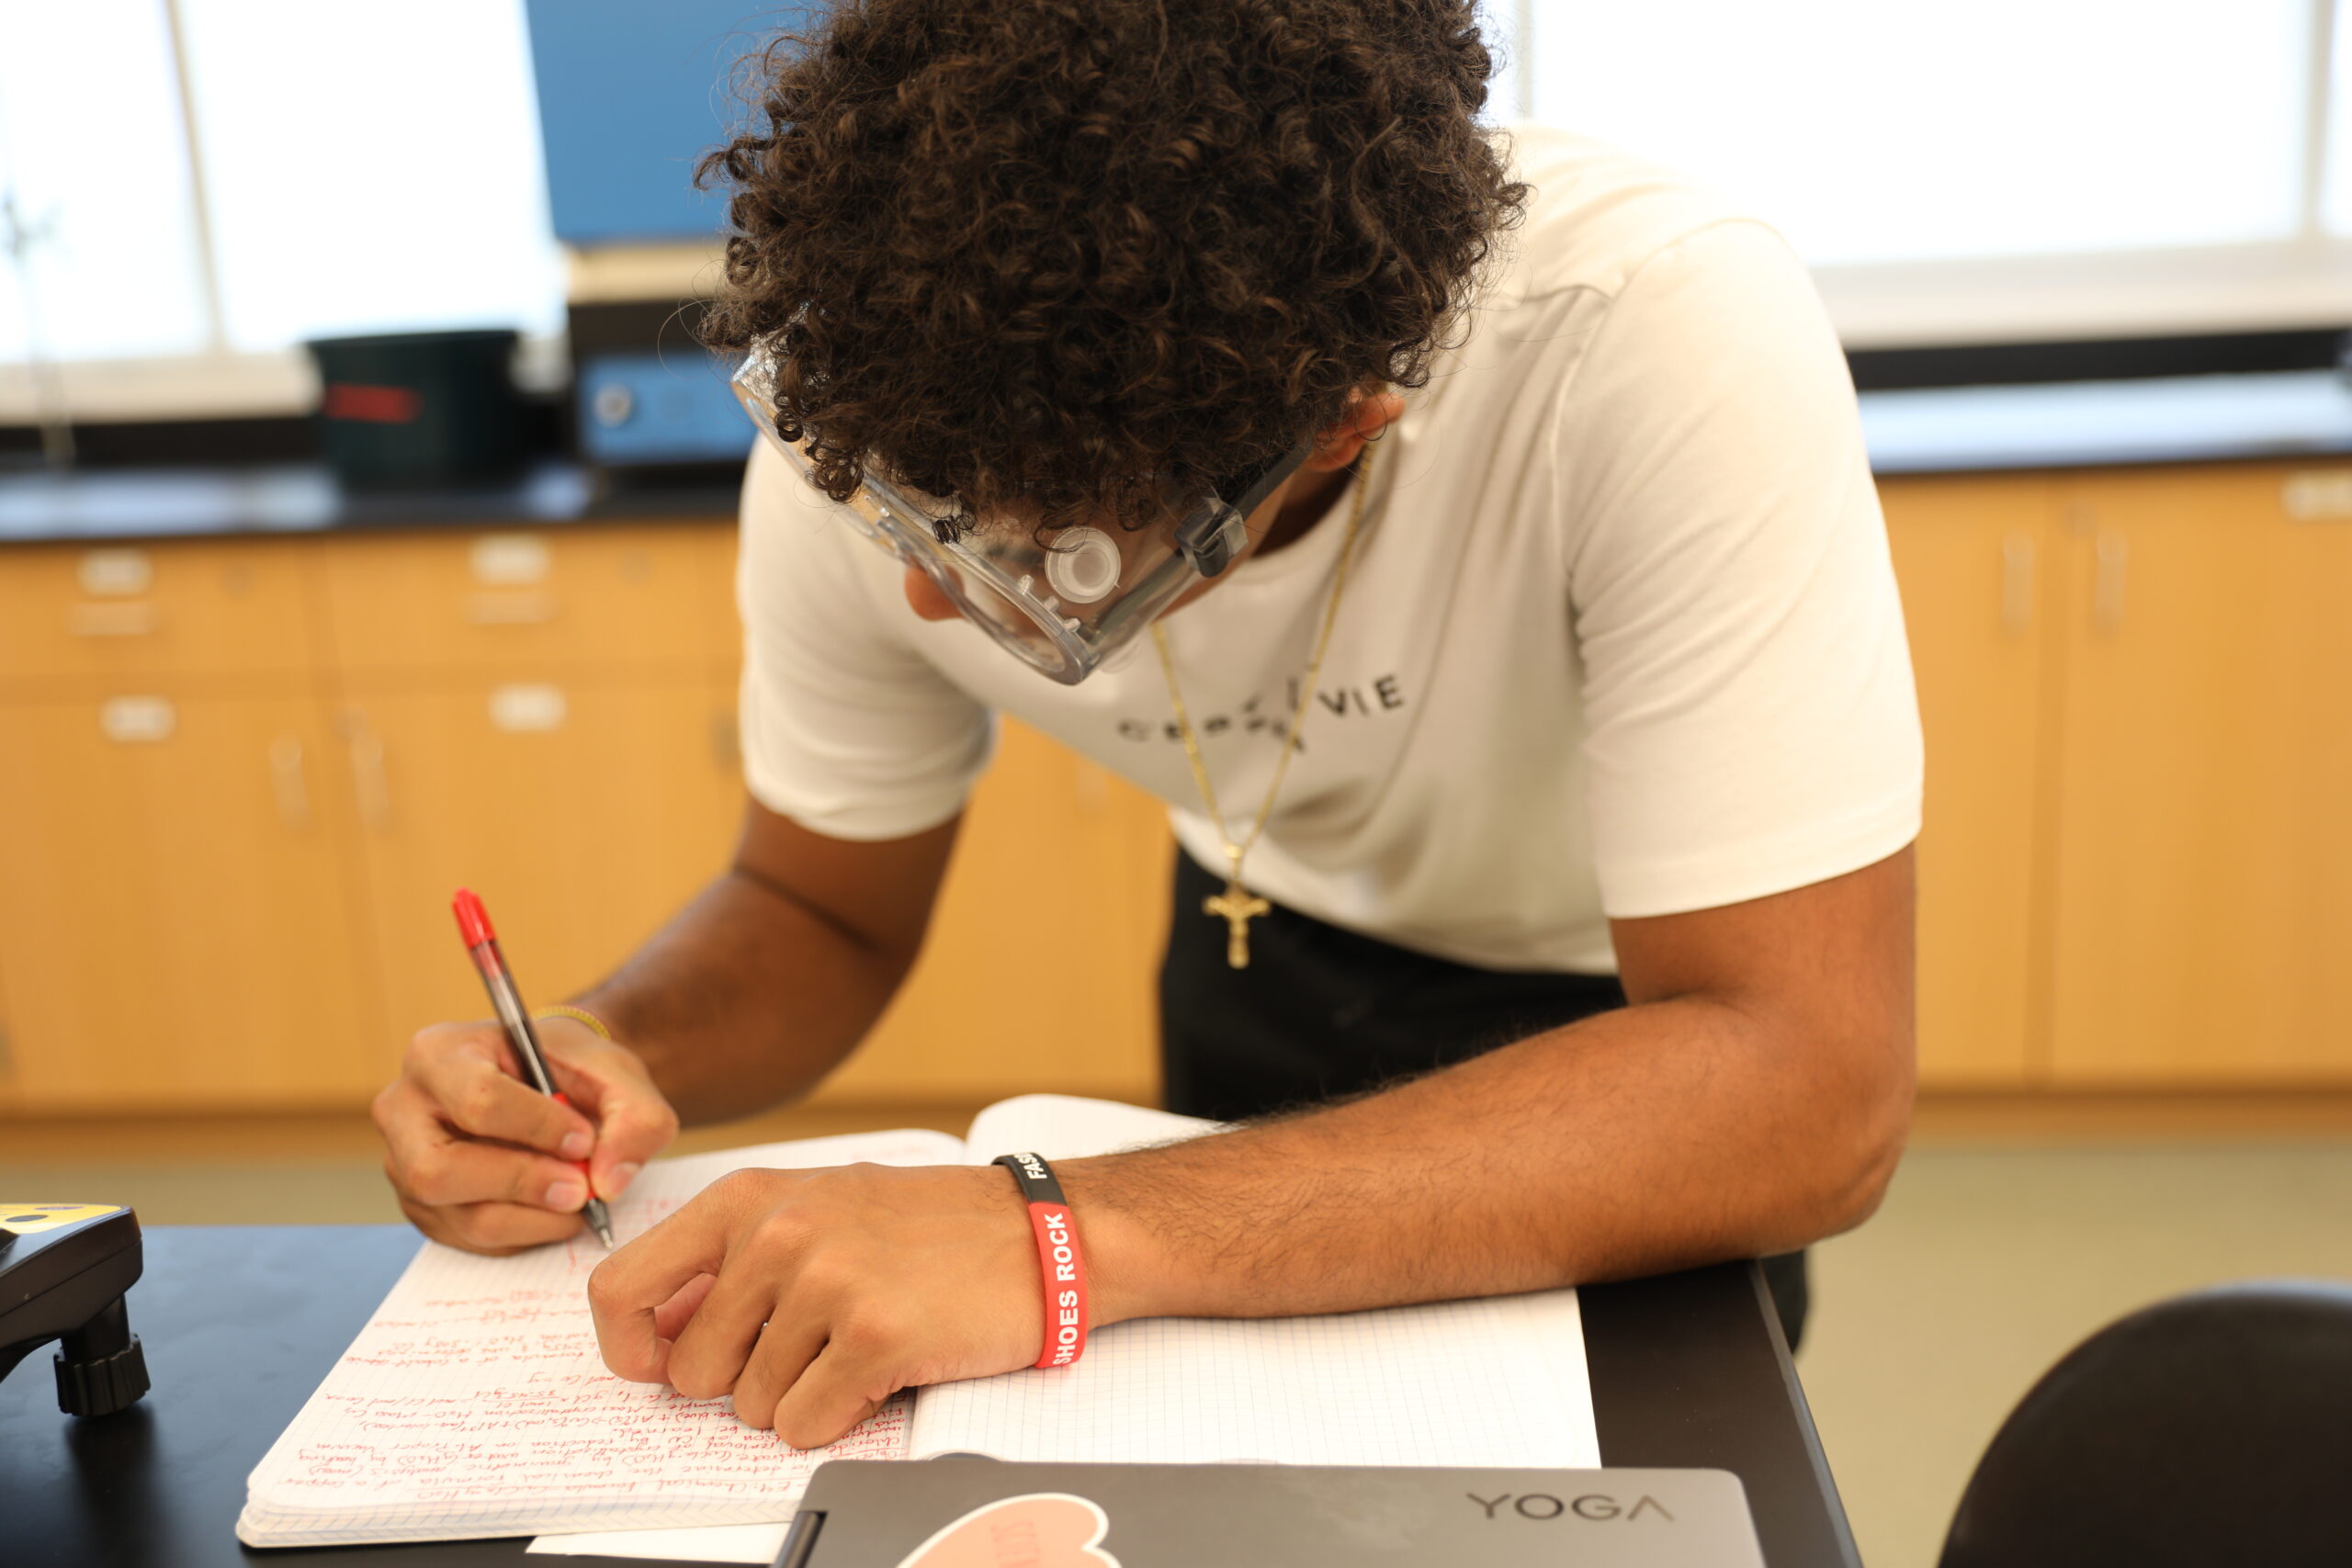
x,y
479,1380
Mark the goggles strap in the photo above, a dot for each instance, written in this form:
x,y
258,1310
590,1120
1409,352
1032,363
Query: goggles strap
x,y
1211,537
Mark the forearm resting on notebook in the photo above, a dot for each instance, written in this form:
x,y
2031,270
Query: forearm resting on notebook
x,y
1753,1099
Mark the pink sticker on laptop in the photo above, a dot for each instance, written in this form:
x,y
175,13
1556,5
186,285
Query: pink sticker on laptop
x,y
1037,1530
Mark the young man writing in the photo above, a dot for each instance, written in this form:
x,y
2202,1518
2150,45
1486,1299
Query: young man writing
x,y
1190,362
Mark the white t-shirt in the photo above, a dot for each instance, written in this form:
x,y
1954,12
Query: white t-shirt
x,y
1621,639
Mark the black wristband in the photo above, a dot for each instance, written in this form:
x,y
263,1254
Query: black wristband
x,y
1036,1178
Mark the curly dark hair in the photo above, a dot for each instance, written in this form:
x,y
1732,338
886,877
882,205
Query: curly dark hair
x,y
1087,256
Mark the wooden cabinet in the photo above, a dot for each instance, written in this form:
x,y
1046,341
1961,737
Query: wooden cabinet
x,y
2136,869
587,814
239,791
2201,847
235,609
175,907
1041,971
436,605
583,812
1971,556
240,778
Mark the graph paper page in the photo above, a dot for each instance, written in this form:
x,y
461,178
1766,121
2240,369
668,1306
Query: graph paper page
x,y
475,1403
1496,1381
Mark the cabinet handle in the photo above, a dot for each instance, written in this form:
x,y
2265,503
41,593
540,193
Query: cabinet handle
x,y
527,708
286,776
1093,787
530,607
137,721
2318,495
508,560
115,574
726,742
134,618
2016,584
368,782
2114,554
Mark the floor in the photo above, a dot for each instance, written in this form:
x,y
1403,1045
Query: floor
x,y
1988,1261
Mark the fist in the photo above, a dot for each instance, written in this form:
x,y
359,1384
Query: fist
x,y
483,1161
814,1296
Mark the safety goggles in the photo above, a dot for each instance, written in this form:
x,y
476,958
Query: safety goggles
x,y
1067,602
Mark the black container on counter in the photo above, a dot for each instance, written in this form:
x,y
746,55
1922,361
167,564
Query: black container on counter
x,y
419,408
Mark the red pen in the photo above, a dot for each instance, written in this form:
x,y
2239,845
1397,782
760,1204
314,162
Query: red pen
x,y
481,945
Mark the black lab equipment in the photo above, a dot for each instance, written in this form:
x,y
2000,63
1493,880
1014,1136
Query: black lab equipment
x,y
64,1270
965,1511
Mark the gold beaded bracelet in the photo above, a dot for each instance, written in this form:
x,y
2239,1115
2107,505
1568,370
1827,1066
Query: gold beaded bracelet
x,y
580,1014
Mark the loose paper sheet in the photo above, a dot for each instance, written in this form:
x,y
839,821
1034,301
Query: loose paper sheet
x,y
711,1543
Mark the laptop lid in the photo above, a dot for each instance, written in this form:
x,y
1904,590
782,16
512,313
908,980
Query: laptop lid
x,y
978,1513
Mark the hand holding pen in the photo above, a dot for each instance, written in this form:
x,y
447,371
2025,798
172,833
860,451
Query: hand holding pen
x,y
481,945
481,1158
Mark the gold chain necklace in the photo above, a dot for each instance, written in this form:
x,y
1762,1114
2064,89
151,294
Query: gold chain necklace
x,y
1237,906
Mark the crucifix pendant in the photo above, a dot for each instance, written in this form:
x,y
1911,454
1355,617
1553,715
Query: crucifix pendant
x,y
1237,907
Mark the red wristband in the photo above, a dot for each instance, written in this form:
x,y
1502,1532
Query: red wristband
x,y
1060,1265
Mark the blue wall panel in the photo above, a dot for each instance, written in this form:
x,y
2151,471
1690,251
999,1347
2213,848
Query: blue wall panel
x,y
631,94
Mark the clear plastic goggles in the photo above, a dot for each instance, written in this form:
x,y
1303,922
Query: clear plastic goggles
x,y
1066,603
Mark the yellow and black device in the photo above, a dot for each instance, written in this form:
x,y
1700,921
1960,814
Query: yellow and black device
x,y
64,1270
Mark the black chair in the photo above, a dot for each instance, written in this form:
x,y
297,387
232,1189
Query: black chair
x,y
2212,1429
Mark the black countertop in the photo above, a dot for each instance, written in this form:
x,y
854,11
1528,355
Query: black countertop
x,y
303,498
2181,419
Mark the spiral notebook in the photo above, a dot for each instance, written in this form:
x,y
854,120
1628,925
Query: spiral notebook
x,y
474,1403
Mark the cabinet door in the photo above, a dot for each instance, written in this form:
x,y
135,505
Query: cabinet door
x,y
174,919
714,547
88,620
2203,861
414,608
1041,969
1971,555
584,814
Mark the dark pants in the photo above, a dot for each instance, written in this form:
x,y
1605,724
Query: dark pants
x,y
1323,1012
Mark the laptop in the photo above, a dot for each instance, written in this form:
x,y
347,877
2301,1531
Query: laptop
x,y
970,1511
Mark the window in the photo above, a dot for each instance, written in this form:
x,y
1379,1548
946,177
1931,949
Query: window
x,y
370,168
97,181
200,184
2337,157
2031,167
1872,132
